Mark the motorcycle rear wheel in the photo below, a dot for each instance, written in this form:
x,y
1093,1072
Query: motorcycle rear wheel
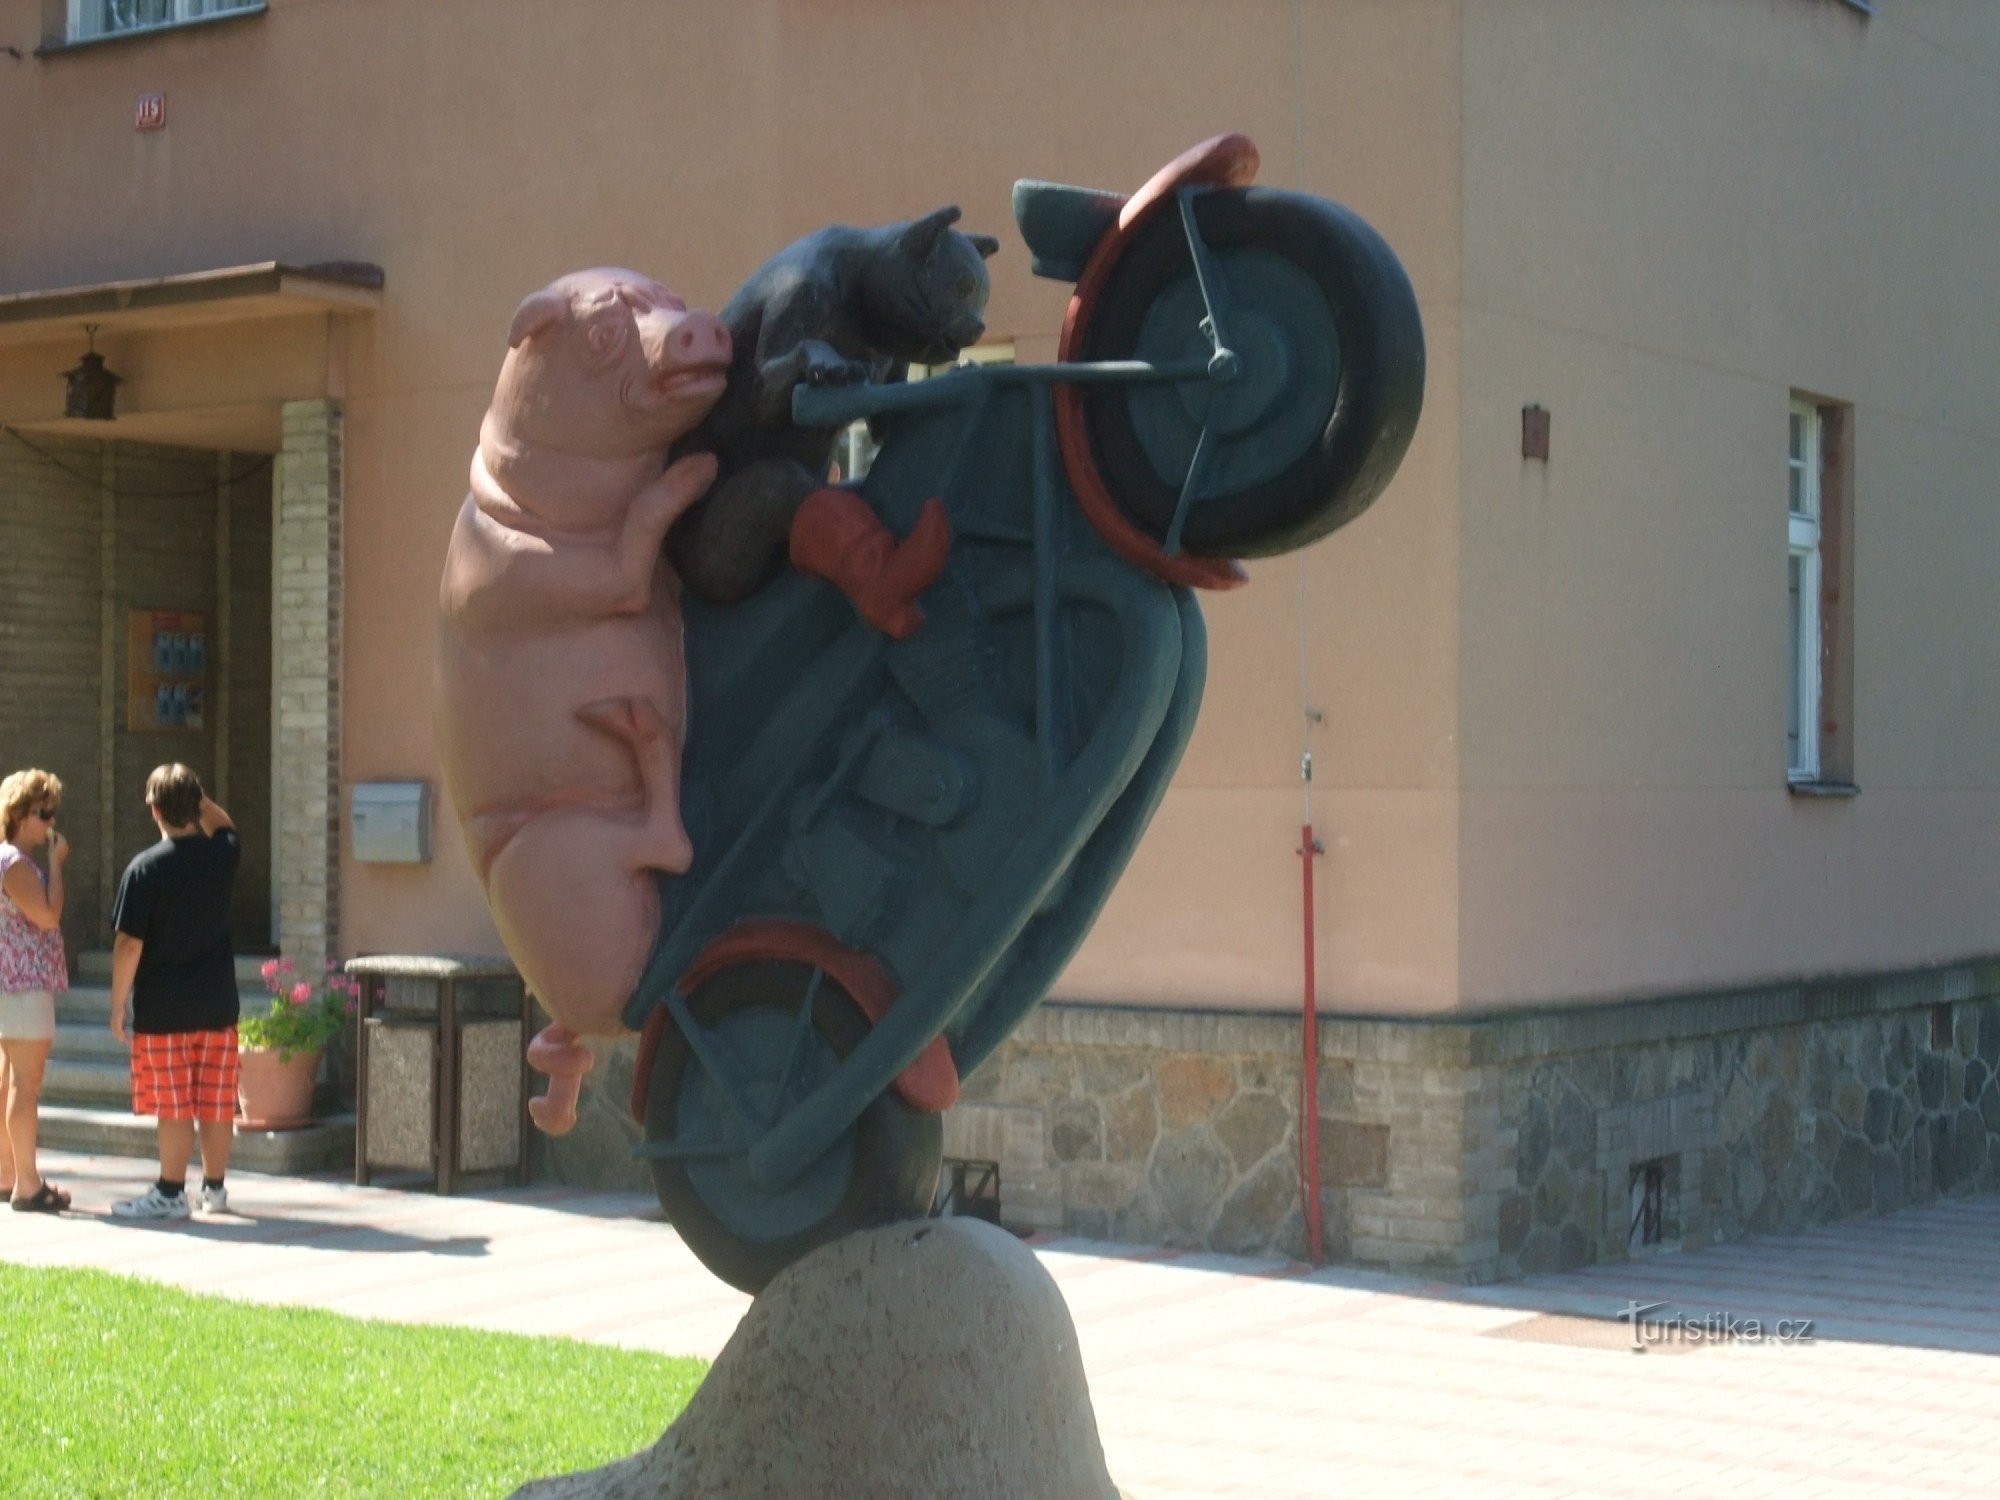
x,y
885,1169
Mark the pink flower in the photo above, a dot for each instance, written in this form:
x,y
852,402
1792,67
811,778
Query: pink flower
x,y
301,993
284,966
270,970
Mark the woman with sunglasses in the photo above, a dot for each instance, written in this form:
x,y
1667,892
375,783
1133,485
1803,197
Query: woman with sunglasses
x,y
32,971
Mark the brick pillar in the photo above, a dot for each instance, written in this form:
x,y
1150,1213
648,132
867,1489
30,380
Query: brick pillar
x,y
1437,1210
305,623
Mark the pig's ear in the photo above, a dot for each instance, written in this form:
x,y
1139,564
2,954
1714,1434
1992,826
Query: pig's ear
x,y
923,233
537,313
985,244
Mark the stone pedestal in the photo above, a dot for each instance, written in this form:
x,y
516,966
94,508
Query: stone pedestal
x,y
926,1361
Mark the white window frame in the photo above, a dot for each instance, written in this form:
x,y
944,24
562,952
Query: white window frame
x,y
90,19
1803,520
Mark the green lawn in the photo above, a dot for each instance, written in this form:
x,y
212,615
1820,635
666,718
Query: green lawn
x,y
111,1386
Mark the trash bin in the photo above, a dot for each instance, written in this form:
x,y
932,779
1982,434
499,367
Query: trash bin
x,y
441,1081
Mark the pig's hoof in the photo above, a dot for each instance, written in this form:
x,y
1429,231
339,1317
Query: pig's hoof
x,y
556,1052
552,1114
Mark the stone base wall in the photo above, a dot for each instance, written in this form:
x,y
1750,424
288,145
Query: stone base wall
x,y
1488,1148
1755,1131
1163,1127
1470,1149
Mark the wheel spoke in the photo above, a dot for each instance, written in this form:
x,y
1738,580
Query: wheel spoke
x,y
721,1064
1197,474
1206,274
795,1054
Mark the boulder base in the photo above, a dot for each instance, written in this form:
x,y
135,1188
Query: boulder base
x,y
927,1360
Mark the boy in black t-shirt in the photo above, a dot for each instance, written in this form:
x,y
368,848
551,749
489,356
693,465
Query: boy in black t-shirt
x,y
173,964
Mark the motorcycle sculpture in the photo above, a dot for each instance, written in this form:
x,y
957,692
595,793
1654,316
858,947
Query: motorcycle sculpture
x,y
897,844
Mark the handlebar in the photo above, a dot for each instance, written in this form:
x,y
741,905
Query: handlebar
x,y
837,405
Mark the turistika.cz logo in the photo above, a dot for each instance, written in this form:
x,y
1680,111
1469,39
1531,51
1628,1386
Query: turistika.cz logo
x,y
1709,1328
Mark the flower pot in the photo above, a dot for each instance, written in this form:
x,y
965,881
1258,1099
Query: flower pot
x,y
274,1095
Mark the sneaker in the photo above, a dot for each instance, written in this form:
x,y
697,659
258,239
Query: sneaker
x,y
211,1200
152,1204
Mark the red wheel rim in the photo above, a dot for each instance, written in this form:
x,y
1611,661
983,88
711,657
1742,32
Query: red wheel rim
x,y
929,1084
1223,161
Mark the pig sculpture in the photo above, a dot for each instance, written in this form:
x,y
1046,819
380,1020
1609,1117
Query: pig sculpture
x,y
561,693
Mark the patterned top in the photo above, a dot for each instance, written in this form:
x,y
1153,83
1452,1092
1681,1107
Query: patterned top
x,y
30,958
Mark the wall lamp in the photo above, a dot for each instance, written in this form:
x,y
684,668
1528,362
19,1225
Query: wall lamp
x,y
92,388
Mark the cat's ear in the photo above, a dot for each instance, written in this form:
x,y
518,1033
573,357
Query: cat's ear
x,y
922,234
985,244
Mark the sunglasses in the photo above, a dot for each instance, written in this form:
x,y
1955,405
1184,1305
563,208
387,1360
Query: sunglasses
x,y
46,814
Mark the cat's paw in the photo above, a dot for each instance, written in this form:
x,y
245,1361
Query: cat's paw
x,y
835,372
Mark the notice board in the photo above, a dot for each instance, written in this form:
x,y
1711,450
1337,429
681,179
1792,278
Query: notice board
x,y
166,670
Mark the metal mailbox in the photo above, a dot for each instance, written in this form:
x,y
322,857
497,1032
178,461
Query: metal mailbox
x,y
390,822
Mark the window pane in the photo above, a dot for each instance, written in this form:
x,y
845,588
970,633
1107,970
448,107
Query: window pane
x,y
1797,568
123,15
1798,445
1798,475
102,17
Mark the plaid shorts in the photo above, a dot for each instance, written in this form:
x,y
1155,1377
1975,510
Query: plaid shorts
x,y
184,1075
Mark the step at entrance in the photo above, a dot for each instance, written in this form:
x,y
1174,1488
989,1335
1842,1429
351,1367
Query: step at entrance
x,y
323,1146
87,1090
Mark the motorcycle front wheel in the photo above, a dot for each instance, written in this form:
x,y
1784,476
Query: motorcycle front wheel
x,y
1324,325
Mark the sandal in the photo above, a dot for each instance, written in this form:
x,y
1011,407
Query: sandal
x,y
48,1199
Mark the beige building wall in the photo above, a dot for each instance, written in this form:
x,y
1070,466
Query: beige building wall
x,y
1674,217
1550,763
476,151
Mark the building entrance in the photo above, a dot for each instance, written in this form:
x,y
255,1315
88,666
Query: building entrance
x,y
135,628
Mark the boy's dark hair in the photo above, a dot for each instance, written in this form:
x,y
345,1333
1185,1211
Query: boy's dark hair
x,y
174,791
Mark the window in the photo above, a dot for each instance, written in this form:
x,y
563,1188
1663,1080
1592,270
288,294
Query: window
x,y
1802,733
96,18
1648,1199
1818,587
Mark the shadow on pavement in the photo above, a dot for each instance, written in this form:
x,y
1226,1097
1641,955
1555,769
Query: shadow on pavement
x,y
292,1229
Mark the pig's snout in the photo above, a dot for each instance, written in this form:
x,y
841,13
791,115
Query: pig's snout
x,y
688,341
556,1052
699,338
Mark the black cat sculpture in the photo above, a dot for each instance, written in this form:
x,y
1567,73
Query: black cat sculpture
x,y
839,306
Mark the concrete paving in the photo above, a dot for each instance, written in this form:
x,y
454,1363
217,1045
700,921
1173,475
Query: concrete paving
x,y
1218,1376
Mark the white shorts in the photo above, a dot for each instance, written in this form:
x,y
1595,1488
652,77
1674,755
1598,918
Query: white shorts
x,y
27,1016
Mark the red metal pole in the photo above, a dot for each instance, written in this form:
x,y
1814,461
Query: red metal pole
x,y
1309,1071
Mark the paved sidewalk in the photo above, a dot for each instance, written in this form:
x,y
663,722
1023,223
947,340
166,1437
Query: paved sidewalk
x,y
1216,1376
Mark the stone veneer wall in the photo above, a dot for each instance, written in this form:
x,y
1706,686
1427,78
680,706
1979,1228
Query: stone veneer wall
x,y
1474,1149
1181,1128
1759,1129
